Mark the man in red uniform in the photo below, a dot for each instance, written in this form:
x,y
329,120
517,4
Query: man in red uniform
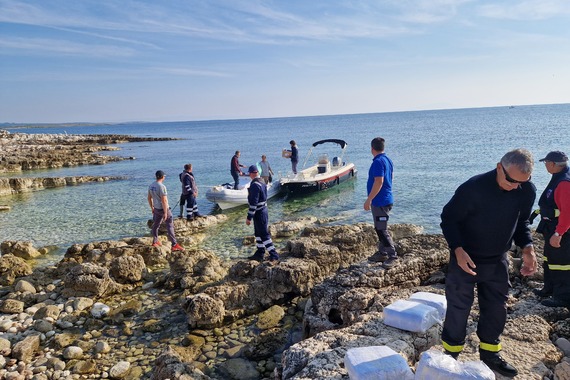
x,y
554,225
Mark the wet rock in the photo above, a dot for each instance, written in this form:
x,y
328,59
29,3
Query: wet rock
x,y
238,369
270,317
120,370
170,366
203,311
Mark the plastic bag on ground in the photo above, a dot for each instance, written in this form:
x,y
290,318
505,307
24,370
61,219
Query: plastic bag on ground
x,y
431,299
411,316
376,363
435,365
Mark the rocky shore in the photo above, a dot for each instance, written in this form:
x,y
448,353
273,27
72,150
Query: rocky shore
x,y
127,310
24,151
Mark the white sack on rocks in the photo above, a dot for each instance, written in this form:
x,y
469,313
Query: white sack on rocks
x,y
431,299
411,316
435,365
376,363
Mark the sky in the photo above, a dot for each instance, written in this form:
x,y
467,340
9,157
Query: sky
x,y
174,60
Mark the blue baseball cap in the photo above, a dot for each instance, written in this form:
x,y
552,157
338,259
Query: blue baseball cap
x,y
555,156
252,169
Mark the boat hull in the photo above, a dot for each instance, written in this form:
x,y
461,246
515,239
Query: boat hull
x,y
297,186
227,198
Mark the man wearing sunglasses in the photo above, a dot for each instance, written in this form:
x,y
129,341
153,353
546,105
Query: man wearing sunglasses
x,y
480,222
554,224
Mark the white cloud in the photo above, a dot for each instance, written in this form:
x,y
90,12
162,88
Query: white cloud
x,y
61,47
526,10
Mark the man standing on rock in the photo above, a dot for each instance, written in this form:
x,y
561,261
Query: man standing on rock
x,y
158,202
480,222
380,200
189,194
554,224
257,200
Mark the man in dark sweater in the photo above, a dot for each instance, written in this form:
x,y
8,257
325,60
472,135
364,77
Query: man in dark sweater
x,y
480,222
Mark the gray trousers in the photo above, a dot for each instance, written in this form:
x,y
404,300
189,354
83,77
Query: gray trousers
x,y
157,216
381,216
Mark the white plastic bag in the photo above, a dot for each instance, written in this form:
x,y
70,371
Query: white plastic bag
x,y
411,316
376,363
431,299
435,365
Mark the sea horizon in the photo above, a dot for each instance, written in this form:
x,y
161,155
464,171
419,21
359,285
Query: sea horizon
x,y
111,123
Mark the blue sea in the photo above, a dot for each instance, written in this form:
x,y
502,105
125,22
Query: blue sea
x,y
433,152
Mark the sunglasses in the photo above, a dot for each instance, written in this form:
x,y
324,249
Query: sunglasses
x,y
511,179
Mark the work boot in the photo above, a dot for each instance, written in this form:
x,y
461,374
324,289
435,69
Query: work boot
x,y
554,302
390,263
542,292
454,355
498,364
257,256
378,257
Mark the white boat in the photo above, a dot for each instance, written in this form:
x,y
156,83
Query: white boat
x,y
226,197
321,176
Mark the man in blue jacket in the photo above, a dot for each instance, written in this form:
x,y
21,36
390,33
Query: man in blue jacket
x,y
480,222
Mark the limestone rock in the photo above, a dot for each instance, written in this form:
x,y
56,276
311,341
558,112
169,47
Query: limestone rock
x,y
24,286
11,306
12,267
48,311
170,366
127,269
22,249
90,279
119,370
203,311
25,349
194,269
270,318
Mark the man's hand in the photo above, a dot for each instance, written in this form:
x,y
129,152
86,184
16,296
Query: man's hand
x,y
248,222
367,205
529,261
555,240
464,261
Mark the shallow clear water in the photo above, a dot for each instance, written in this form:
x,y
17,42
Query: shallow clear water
x,y
433,152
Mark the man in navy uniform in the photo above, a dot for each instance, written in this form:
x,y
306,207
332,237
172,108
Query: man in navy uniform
x,y
189,193
257,200
480,222
554,206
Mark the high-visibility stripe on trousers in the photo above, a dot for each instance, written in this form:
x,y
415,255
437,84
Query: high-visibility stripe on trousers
x,y
492,282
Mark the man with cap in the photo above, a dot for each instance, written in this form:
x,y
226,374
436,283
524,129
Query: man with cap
x,y
554,206
257,200
158,202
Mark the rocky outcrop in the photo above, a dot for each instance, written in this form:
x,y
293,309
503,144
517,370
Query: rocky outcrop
x,y
10,186
319,252
12,267
22,151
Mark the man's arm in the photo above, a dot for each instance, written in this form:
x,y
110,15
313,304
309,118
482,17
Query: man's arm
x,y
376,187
164,201
149,199
454,212
562,199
